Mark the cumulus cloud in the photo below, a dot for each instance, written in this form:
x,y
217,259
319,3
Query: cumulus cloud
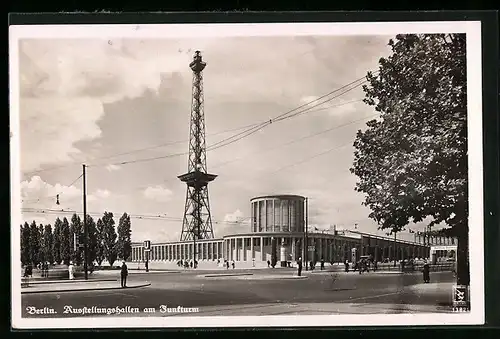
x,y
233,223
309,99
112,168
158,193
102,194
233,217
63,88
44,194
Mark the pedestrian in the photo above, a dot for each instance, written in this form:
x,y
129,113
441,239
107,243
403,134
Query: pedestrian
x,y
191,264
299,266
233,264
346,265
124,274
322,266
268,264
227,264
426,273
71,271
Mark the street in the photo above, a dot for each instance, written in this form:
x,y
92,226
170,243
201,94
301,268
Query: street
x,y
191,288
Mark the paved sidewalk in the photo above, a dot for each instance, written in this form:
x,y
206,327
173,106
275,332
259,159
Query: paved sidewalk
x,y
80,286
67,281
116,273
330,272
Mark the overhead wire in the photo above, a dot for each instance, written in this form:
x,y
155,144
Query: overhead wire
x,y
133,151
254,128
132,215
164,145
250,129
218,165
286,115
52,196
295,140
310,158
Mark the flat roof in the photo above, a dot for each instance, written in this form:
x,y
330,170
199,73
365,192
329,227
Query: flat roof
x,y
279,196
352,236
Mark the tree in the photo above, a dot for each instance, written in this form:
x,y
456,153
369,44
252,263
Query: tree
x,y
76,233
412,161
93,240
124,243
100,251
25,244
48,240
56,249
35,242
65,242
42,251
109,238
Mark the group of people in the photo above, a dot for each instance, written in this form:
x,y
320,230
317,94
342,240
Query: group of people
x,y
42,266
226,264
362,265
312,265
187,264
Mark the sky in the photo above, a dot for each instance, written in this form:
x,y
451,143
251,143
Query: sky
x,y
104,102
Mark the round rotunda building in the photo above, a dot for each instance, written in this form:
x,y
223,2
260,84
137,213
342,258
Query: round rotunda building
x,y
277,213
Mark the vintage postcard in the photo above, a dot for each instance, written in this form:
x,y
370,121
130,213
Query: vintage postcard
x,y
243,175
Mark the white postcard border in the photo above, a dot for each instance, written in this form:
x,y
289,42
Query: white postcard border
x,y
475,142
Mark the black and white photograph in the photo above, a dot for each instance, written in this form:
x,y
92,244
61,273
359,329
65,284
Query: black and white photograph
x,y
235,175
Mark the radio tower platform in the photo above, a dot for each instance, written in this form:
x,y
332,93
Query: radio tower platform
x,y
197,221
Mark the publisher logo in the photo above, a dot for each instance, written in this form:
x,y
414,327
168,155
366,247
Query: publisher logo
x,y
461,298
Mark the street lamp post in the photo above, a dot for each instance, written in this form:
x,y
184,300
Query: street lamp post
x,y
147,249
85,229
306,247
395,251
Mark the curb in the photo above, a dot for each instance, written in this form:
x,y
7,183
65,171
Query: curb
x,y
68,281
283,277
226,275
87,289
287,277
157,272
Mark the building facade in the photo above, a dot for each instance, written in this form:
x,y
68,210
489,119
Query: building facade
x,y
278,235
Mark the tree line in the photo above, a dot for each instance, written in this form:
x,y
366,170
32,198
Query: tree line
x,y
64,242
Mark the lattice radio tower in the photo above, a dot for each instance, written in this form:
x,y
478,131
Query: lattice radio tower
x,y
197,222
